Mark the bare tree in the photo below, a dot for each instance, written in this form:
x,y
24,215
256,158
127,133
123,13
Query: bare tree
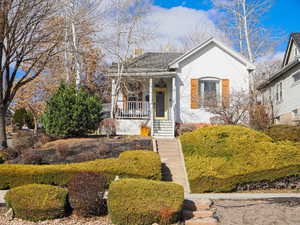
x,y
265,69
126,30
80,19
200,34
29,34
242,23
234,110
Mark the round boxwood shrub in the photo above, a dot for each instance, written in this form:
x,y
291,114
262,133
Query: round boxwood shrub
x,y
284,133
71,112
144,202
86,191
37,202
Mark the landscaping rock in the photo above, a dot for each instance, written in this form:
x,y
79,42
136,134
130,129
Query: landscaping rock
x,y
9,214
290,182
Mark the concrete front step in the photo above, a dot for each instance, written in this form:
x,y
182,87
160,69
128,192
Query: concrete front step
x,y
2,201
199,204
188,214
202,221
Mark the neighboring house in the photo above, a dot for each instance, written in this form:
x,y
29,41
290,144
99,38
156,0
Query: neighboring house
x,y
164,89
282,89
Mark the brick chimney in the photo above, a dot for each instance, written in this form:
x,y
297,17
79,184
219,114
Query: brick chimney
x,y
138,52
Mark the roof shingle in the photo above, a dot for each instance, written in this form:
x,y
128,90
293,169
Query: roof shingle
x,y
152,60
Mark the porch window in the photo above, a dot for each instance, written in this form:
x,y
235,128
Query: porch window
x,y
209,92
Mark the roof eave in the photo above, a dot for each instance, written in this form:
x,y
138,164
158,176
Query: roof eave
x,y
278,74
175,63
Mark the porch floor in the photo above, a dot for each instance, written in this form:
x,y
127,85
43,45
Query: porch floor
x,y
173,162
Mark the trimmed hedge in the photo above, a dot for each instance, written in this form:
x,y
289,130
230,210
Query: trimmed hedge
x,y
144,202
37,202
221,157
284,133
135,164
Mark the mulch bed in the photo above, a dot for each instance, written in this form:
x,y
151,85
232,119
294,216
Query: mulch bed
x,y
72,220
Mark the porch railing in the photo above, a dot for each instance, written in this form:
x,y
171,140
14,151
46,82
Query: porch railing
x,y
133,109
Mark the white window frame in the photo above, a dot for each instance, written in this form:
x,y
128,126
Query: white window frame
x,y
279,92
201,90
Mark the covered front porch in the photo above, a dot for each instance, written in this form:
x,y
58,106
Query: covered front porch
x,y
146,101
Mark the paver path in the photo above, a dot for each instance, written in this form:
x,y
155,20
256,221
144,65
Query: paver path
x,y
173,162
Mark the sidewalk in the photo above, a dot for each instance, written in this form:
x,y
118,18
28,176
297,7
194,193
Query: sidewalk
x,y
242,196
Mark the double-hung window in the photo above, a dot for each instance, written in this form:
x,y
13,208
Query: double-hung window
x,y
209,92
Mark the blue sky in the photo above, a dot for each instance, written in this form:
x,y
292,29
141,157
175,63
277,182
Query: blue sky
x,y
282,16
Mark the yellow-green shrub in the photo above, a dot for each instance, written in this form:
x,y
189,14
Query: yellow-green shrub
x,y
37,201
136,164
144,202
219,158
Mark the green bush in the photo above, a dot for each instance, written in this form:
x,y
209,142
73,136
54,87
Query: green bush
x,y
284,133
36,202
21,117
72,112
144,202
221,157
136,164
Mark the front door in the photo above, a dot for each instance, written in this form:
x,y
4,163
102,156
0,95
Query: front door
x,y
160,102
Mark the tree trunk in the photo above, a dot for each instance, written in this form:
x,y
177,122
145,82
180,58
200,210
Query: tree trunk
x,y
3,138
246,31
35,130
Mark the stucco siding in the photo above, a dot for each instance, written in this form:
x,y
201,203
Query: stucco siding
x,y
211,61
130,126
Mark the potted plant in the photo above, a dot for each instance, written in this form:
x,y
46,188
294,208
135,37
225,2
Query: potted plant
x,y
145,130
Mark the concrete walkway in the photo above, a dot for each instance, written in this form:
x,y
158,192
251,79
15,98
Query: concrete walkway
x,y
2,193
173,168
242,196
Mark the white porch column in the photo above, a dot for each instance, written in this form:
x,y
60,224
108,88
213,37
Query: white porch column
x,y
151,104
113,93
173,102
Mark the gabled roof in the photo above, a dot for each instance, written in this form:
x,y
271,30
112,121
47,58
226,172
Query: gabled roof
x,y
294,38
279,74
175,63
151,61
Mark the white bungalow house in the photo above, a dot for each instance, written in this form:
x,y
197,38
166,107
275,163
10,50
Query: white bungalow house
x,y
167,88
282,89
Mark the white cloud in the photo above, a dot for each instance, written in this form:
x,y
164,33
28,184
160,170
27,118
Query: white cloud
x,y
175,24
277,56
